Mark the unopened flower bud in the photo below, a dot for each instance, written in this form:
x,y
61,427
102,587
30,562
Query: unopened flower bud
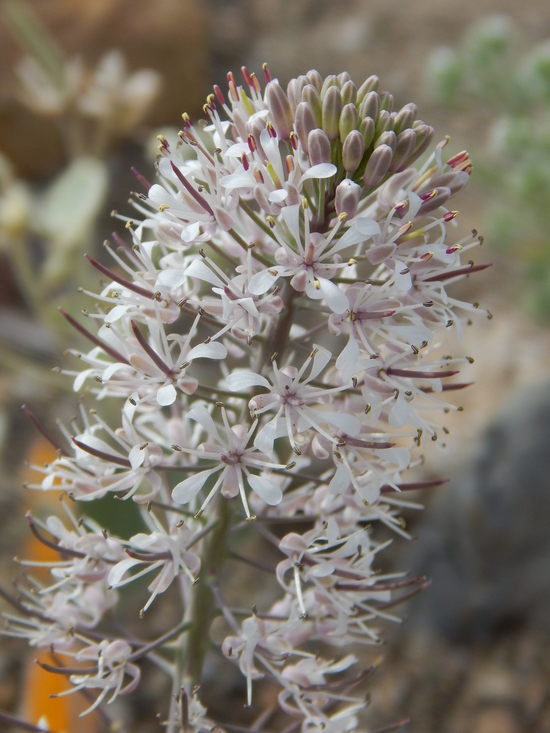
x,y
455,180
424,136
404,148
370,85
405,118
349,120
434,199
319,147
347,197
349,93
315,78
384,123
304,122
343,77
353,151
370,106
386,101
311,96
387,138
332,107
294,92
330,81
367,129
378,166
279,109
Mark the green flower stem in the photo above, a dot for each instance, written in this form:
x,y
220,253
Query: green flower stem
x,y
202,606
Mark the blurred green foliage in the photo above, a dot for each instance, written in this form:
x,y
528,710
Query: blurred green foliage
x,y
490,75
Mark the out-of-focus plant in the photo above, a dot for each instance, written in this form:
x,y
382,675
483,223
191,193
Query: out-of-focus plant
x,y
93,109
490,72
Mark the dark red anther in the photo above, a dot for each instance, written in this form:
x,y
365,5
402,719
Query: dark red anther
x,y
252,143
294,141
455,273
120,280
219,94
266,73
428,194
246,164
109,457
246,76
256,83
93,338
144,182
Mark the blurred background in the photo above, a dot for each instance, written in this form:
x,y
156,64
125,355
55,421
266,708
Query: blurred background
x,y
84,90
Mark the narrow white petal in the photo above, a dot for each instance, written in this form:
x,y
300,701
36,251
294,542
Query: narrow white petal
x,y
241,379
322,170
266,489
186,490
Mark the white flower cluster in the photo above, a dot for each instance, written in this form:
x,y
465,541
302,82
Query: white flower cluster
x,y
272,332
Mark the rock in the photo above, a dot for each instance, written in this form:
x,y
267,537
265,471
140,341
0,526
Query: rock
x,y
485,540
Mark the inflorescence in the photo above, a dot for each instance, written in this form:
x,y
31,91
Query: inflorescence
x,y
271,333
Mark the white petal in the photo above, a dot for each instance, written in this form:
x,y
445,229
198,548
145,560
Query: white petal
x,y
200,269
108,373
171,278
367,227
237,149
262,281
348,423
340,480
320,361
399,415
136,457
200,414
190,232
115,313
239,179
241,379
167,395
213,350
349,357
266,489
322,170
188,489
278,196
116,574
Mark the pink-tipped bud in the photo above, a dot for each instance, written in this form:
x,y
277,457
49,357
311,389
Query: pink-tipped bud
x,y
311,96
349,93
386,101
378,166
370,85
370,106
305,122
353,151
387,138
349,120
405,118
279,109
404,148
384,123
318,147
424,137
332,108
315,78
455,180
367,129
294,92
347,197
330,81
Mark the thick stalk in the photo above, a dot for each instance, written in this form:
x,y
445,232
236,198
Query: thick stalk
x,y
277,341
200,611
